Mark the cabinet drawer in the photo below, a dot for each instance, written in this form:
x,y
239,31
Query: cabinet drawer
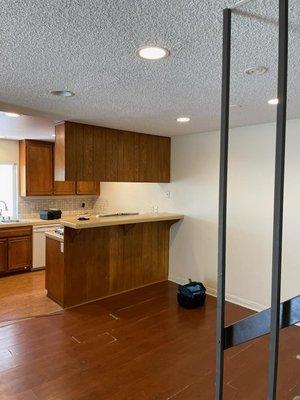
x,y
15,231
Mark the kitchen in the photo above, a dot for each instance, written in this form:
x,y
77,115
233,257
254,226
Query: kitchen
x,y
142,230
37,208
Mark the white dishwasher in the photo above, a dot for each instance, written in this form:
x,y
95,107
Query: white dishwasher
x,y
39,244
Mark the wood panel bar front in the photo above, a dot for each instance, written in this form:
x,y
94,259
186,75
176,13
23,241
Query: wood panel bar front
x,y
103,261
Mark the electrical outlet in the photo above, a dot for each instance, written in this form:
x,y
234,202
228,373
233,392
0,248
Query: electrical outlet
x,y
168,194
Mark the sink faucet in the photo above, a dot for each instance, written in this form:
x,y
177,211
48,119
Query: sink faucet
x,y
5,208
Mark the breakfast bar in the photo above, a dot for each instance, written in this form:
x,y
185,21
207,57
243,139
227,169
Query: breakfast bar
x,y
103,256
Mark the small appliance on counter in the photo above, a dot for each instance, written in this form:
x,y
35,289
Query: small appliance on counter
x,y
60,230
50,214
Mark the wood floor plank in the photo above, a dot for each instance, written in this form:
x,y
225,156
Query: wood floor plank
x,y
137,345
24,295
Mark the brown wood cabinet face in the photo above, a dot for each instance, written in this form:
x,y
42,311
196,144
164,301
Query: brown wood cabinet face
x,y
3,255
102,261
19,253
128,157
112,152
93,153
54,270
36,168
64,188
84,187
59,152
13,232
99,153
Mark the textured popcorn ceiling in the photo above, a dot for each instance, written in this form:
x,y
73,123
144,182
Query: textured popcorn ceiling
x,y
89,47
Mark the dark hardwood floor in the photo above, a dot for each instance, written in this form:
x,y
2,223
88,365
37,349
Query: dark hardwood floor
x,y
137,345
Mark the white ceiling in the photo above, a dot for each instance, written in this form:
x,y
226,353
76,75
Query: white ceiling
x,y
26,127
89,47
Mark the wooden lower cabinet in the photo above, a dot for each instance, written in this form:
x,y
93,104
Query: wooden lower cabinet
x,y
19,253
54,270
3,255
15,249
98,262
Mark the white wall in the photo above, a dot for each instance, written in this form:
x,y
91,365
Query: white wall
x,y
194,192
9,151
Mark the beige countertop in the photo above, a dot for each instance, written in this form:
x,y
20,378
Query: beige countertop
x,y
30,222
55,236
95,222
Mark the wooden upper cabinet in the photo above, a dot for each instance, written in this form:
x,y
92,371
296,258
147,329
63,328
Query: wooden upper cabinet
x,y
36,168
83,187
93,153
64,188
37,172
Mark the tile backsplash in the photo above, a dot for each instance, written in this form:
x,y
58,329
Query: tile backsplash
x,y
29,207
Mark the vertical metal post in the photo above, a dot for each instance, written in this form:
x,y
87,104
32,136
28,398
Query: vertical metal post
x,y
223,202
278,196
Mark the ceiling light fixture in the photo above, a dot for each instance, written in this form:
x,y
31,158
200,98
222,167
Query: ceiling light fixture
x,y
12,114
183,119
153,52
254,71
63,93
273,102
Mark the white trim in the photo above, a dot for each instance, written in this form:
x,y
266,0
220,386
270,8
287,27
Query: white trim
x,y
239,300
252,305
229,297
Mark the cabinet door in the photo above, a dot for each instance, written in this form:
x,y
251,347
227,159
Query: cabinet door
x,y
19,253
39,168
3,255
83,187
64,188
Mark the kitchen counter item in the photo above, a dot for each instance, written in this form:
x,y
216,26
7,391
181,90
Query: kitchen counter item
x,y
50,214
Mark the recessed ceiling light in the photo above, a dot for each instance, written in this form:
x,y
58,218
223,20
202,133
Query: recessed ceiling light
x,y
273,102
63,93
183,119
153,52
256,70
12,114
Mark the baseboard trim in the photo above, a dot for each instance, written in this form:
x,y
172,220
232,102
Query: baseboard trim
x,y
252,305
